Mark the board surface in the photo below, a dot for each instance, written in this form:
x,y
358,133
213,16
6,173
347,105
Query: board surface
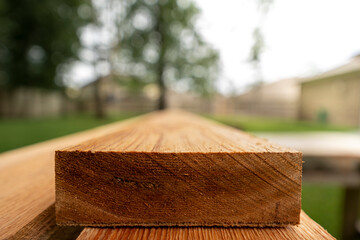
x,y
173,168
307,229
27,198
27,178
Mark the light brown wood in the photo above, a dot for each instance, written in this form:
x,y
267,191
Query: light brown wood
x,y
307,229
44,227
27,179
27,191
176,169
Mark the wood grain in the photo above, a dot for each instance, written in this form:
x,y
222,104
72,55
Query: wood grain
x,y
27,192
44,227
176,169
307,229
27,179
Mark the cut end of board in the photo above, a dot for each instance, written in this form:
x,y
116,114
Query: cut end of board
x,y
176,169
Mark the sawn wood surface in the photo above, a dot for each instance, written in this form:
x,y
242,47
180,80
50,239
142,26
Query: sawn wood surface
x,y
174,168
27,199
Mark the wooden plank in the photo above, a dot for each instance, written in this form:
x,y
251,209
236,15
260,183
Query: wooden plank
x,y
307,229
176,169
27,186
27,178
44,227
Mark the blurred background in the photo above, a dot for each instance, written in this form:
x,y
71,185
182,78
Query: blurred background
x,y
285,70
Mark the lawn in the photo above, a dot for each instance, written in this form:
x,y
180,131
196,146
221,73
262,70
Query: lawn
x,y
21,132
17,133
260,124
321,202
324,204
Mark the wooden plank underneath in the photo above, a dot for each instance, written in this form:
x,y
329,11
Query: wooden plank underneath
x,y
307,229
44,227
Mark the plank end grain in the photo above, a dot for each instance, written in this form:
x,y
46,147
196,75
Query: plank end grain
x,y
176,169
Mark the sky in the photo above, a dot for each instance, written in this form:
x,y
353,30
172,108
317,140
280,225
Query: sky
x,y
302,37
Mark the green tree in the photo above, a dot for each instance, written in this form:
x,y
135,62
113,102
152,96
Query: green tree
x,y
159,43
36,39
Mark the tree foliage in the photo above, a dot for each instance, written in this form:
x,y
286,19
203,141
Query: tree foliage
x,y
36,39
159,43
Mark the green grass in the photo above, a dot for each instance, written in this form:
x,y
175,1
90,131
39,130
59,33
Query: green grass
x,y
258,124
323,203
17,133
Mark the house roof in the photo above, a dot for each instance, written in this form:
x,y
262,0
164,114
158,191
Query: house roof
x,y
285,89
352,66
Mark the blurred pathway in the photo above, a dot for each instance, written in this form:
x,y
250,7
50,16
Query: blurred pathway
x,y
330,157
322,144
